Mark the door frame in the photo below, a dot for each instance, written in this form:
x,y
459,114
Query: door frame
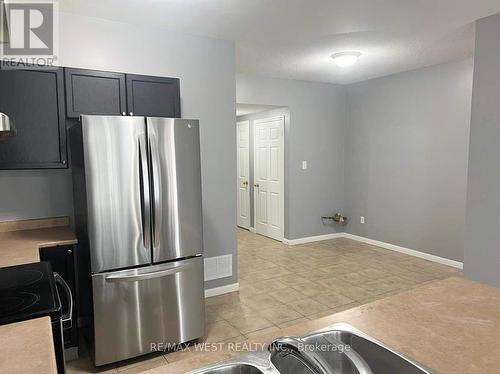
x,y
282,167
247,124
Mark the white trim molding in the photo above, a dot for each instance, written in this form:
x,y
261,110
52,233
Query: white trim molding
x,y
222,290
408,251
391,247
252,229
311,239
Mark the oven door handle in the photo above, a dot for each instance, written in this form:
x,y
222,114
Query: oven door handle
x,y
68,317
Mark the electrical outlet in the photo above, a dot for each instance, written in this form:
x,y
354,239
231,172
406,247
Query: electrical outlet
x,y
362,220
304,165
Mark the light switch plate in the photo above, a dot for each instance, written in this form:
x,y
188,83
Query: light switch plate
x,y
304,165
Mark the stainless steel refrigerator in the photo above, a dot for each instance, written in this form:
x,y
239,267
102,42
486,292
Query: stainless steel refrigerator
x,y
137,187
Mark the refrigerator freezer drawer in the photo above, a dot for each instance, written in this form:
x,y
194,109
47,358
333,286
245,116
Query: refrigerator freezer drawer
x,y
134,309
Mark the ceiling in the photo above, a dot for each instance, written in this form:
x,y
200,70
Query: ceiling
x,y
244,109
294,38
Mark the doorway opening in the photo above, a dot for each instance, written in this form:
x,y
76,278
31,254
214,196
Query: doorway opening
x,y
261,182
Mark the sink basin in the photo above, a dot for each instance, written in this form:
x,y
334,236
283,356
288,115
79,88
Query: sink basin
x,y
233,369
379,358
354,353
250,363
301,356
290,363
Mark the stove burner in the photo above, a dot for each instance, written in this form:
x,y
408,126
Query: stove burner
x,y
17,303
11,277
28,291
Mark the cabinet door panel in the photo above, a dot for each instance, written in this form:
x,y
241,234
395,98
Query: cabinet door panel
x,y
153,96
94,92
34,100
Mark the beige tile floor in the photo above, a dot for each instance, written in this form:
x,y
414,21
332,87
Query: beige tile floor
x,y
284,285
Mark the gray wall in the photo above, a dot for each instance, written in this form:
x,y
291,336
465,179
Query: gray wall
x,y
315,134
206,68
482,239
26,194
285,112
406,158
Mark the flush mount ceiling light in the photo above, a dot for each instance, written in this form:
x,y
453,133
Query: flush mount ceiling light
x,y
345,59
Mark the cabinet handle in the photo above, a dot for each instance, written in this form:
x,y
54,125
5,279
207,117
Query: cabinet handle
x,y
131,113
70,251
124,114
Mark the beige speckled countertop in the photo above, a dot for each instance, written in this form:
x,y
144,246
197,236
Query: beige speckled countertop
x,y
27,347
23,247
451,326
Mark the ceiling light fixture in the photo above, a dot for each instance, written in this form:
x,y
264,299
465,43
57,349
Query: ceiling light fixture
x,y
345,59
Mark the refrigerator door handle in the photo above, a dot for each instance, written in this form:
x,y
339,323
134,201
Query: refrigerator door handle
x,y
155,163
150,275
144,190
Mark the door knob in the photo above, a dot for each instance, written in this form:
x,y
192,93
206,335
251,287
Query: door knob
x,y
245,183
256,185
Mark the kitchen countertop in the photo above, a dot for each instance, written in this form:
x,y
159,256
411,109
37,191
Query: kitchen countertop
x,y
452,326
22,247
27,347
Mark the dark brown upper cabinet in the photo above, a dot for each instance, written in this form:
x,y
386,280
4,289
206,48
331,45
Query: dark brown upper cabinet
x,y
94,92
153,96
34,101
41,103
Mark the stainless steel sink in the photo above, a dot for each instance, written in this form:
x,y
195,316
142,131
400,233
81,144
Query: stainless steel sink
x,y
317,355
250,363
342,350
234,369
377,356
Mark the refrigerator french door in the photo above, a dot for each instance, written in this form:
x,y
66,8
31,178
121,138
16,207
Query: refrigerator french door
x,y
176,186
144,224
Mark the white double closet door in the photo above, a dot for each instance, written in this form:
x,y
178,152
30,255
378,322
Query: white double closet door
x,y
243,155
269,177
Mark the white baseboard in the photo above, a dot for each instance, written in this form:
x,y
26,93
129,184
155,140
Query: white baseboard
x,y
408,251
252,229
222,290
311,239
391,247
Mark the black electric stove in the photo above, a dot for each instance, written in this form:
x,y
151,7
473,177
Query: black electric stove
x,y
28,291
